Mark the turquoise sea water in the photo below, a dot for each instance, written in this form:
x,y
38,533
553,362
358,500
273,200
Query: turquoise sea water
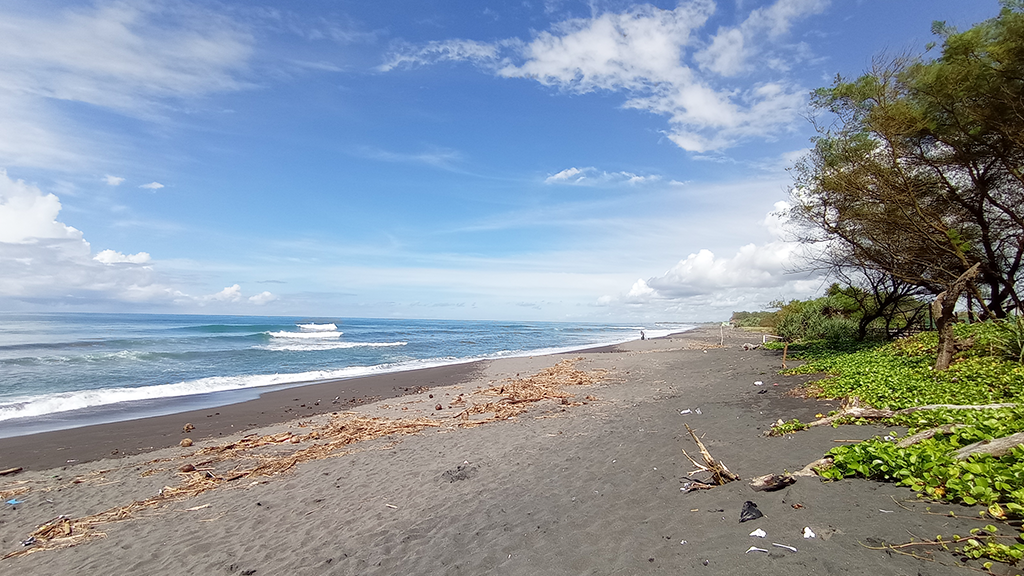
x,y
62,370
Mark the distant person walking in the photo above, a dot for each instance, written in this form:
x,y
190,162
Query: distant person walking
x,y
642,335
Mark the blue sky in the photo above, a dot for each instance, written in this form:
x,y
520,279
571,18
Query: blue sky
x,y
546,160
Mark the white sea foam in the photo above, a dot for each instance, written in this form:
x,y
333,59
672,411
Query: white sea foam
x,y
314,327
293,346
67,401
309,335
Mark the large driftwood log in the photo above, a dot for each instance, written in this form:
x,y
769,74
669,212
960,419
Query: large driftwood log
x,y
854,410
996,447
926,434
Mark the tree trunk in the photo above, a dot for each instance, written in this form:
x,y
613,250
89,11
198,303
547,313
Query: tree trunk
x,y
944,314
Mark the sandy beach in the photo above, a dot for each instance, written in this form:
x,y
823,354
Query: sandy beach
x,y
587,484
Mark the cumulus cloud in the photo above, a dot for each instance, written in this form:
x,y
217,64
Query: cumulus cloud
x,y
152,186
752,276
134,58
592,177
229,294
46,261
112,257
262,298
28,216
645,53
113,180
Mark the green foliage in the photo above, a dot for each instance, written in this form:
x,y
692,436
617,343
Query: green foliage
x,y
761,319
1009,338
899,375
821,319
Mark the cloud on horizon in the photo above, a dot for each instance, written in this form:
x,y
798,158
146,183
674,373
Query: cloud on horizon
x,y
753,276
45,260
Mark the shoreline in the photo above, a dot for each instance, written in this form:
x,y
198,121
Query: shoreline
x,y
90,442
117,412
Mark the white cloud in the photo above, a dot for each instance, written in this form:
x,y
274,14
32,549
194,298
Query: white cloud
x,y
113,180
45,261
229,294
152,186
732,49
262,298
27,215
643,53
112,257
593,177
481,53
751,277
135,58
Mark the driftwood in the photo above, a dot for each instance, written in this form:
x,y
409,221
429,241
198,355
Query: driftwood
x,y
719,473
996,447
10,471
854,410
772,482
929,433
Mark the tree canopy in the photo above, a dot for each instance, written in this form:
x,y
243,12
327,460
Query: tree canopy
x,y
920,174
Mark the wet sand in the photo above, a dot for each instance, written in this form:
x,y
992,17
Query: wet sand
x,y
584,488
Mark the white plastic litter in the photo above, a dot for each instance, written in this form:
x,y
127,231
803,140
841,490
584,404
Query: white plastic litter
x,y
697,411
808,533
790,548
758,383
687,411
759,533
755,549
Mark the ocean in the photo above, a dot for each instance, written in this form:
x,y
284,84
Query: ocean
x,y
59,371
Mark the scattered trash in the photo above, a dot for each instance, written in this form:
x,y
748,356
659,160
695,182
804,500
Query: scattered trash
x,y
758,383
797,506
748,346
72,461
683,542
808,533
886,511
888,438
749,512
15,501
392,506
790,548
29,541
762,391
772,482
706,562
755,549
697,411
759,533
687,411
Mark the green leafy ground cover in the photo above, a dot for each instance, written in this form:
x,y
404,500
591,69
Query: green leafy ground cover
x,y
899,375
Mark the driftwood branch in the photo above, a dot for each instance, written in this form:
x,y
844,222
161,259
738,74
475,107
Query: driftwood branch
x,y
719,473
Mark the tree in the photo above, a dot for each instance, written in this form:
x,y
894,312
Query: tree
x,y
920,176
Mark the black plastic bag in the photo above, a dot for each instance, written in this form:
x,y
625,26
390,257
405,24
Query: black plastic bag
x,y
749,512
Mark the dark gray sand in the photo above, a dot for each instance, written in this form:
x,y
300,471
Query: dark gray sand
x,y
590,489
